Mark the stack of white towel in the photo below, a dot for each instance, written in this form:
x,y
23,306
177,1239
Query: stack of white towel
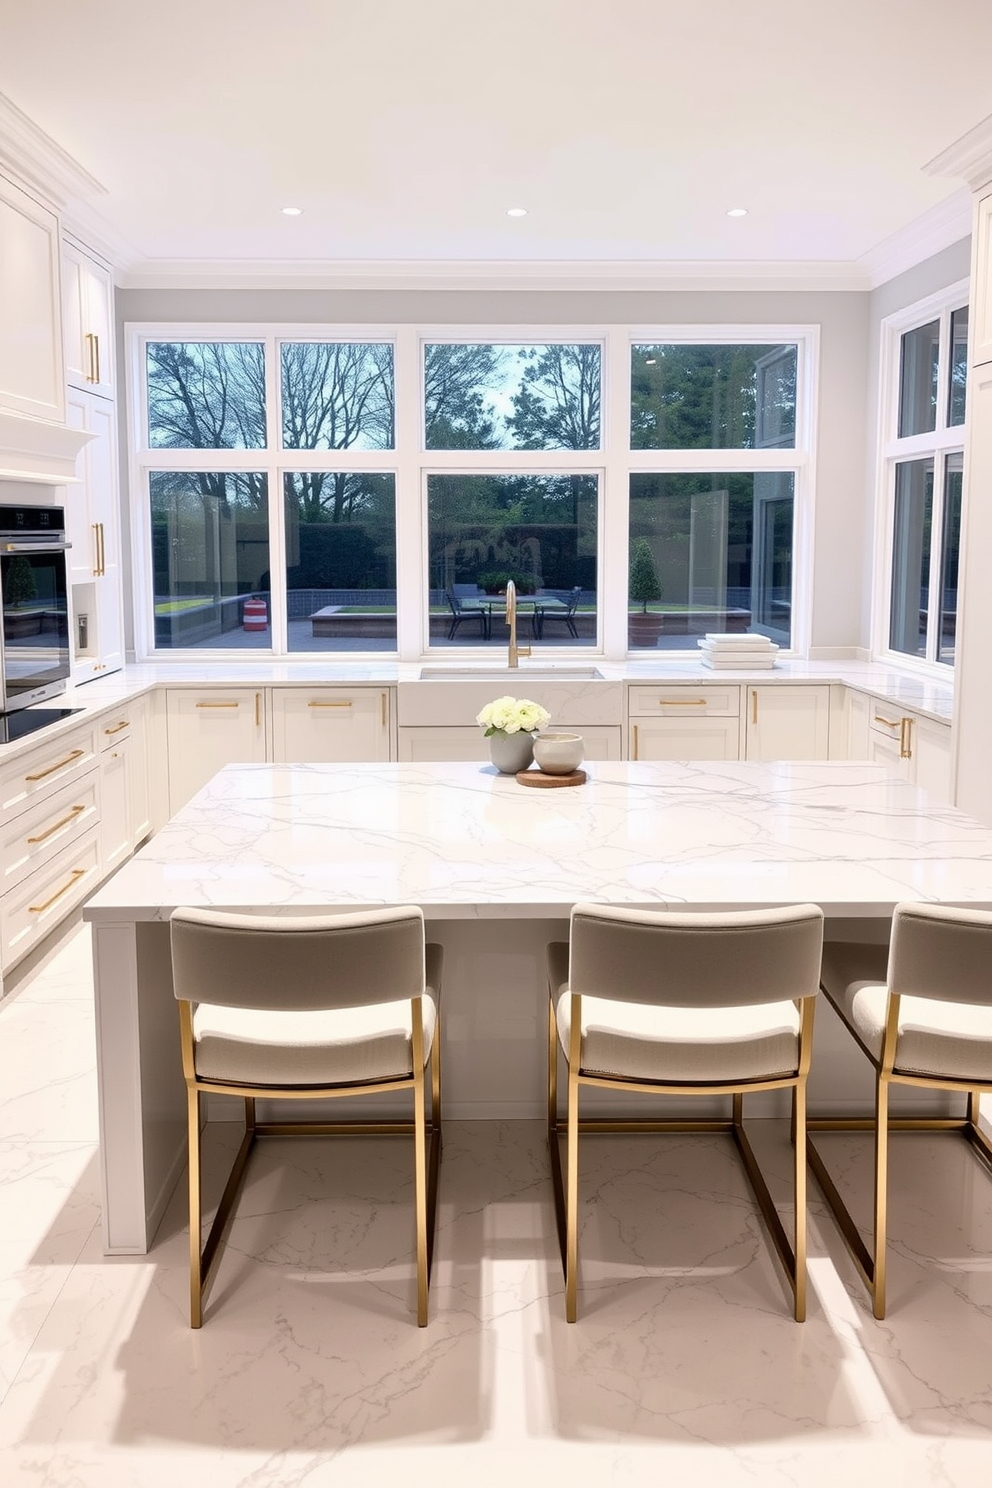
x,y
747,652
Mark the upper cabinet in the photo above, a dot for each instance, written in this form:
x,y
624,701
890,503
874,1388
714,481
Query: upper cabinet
x,y
32,373
88,314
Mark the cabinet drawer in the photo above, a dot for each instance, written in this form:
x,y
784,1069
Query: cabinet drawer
x,y
113,728
889,722
315,724
46,896
684,702
45,769
48,826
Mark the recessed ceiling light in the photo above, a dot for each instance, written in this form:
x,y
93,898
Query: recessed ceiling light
x,y
516,211
737,212
292,211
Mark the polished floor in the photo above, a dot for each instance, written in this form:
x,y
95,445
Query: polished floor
x,y
684,1368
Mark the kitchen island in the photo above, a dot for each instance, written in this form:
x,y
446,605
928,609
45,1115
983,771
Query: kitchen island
x,y
496,869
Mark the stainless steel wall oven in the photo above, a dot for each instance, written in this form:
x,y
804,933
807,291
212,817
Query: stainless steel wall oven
x,y
34,646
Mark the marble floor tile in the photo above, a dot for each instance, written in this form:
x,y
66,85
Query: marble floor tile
x,y
685,1365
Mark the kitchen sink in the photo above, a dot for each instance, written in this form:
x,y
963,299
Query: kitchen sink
x,y
510,674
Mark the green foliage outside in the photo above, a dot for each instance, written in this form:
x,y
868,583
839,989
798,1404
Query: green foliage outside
x,y
20,587
645,586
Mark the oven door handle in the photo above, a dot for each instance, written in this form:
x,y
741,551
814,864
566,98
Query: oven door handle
x,y
20,546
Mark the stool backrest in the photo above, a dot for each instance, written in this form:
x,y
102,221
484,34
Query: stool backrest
x,y
941,953
736,959
277,962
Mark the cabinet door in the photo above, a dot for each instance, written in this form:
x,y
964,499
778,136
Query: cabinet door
x,y
115,804
93,520
313,724
786,723
885,751
32,375
858,719
87,310
600,742
930,746
208,730
684,738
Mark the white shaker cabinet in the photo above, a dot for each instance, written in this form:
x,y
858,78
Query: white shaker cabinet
x,y
124,815
428,743
93,523
787,722
699,722
313,724
88,320
208,730
32,369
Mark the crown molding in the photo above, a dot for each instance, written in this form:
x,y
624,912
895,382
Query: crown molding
x,y
40,161
480,275
946,223
970,157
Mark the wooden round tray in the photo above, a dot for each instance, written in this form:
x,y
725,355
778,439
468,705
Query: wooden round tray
x,y
549,782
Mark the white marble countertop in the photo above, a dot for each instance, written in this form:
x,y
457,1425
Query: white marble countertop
x,y
464,842
931,698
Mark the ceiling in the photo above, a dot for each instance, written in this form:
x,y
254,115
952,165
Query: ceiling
x,y
405,129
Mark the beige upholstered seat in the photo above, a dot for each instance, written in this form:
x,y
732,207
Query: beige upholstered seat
x,y
690,1004
301,1008
921,1009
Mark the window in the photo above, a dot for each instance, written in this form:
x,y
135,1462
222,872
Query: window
x,y
306,492
712,522
922,476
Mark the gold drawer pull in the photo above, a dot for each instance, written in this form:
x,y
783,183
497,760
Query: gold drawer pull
x,y
889,722
348,704
218,705
906,739
76,874
635,741
64,822
76,754
681,702
118,726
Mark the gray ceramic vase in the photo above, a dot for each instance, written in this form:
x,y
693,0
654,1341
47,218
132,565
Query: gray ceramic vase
x,y
511,752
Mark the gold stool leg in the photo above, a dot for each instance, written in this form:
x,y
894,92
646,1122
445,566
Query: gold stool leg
x,y
195,1208
572,1201
881,1195
420,1191
799,1156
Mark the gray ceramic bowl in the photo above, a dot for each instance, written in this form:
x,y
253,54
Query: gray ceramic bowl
x,y
557,753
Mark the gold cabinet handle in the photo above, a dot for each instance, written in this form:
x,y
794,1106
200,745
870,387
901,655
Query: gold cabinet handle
x,y
681,702
258,710
635,741
75,875
76,754
93,351
348,704
906,738
125,723
754,707
889,722
103,551
382,699
219,705
96,550
54,828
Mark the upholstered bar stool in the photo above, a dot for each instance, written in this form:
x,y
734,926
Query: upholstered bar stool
x,y
305,1008
921,1010
683,1004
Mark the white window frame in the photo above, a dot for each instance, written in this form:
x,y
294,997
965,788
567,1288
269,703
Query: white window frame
x,y
612,464
945,440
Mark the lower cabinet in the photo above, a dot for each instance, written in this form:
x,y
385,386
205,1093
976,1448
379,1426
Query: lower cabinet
x,y
341,724
208,730
602,742
787,723
693,722
917,748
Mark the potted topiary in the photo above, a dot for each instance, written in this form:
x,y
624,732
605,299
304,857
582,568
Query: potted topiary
x,y
643,629
20,589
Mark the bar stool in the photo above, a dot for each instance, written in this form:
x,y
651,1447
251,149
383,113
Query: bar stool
x,y
921,1010
305,1008
683,1004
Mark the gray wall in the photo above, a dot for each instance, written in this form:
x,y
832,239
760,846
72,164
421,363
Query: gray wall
x,y
841,496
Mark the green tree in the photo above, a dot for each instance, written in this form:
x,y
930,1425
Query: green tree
x,y
558,404
20,587
645,586
456,415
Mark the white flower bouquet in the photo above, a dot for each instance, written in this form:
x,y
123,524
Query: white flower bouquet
x,y
509,715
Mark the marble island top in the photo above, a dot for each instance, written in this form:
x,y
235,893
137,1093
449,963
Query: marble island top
x,y
464,842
